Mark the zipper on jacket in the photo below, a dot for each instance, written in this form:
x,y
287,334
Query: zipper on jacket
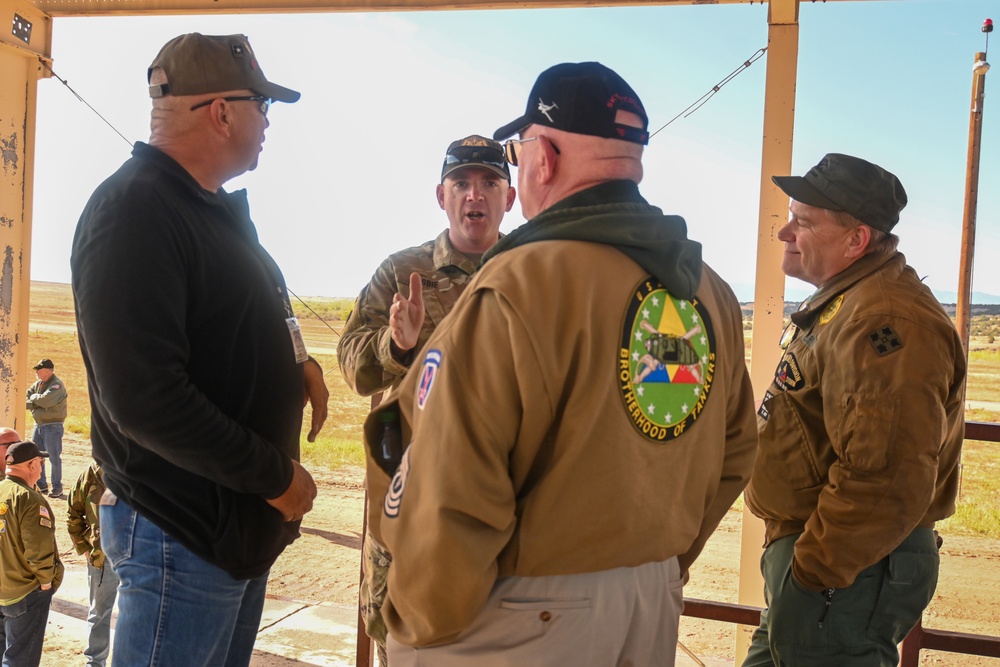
x,y
828,594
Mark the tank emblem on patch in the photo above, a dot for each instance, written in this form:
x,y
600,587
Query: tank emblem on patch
x,y
666,361
885,341
831,310
394,496
789,375
431,363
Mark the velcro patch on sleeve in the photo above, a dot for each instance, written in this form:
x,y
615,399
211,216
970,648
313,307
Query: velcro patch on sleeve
x,y
885,341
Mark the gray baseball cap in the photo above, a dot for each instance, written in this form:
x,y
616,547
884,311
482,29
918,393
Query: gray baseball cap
x,y
846,183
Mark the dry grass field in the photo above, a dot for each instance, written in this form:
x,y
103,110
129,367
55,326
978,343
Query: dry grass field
x,y
322,565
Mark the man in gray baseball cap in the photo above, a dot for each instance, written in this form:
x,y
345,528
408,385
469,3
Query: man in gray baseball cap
x,y
860,432
195,364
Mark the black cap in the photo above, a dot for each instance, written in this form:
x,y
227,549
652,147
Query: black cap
x,y
846,183
582,98
475,151
22,452
44,363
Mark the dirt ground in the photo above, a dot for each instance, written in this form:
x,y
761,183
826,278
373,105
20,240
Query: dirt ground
x,y
322,566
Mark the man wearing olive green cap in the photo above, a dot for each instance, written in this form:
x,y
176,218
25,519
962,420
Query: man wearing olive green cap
x,y
30,569
860,432
195,364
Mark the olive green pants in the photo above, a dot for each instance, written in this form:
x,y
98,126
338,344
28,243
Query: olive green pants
x,y
863,623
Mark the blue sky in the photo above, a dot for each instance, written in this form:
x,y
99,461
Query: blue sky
x,y
348,173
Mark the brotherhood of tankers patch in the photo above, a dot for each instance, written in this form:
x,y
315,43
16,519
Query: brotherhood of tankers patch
x,y
666,362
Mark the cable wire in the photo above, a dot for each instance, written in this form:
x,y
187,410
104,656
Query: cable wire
x,y
77,95
700,102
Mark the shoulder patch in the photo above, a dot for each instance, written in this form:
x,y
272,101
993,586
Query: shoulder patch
x,y
3,526
3,508
788,376
666,361
45,523
44,511
831,310
432,360
885,341
394,496
55,386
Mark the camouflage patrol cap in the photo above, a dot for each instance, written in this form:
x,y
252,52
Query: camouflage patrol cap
x,y
196,64
475,151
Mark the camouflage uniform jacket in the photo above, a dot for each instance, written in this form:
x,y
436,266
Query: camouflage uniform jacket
x,y
363,352
83,519
47,401
861,430
28,553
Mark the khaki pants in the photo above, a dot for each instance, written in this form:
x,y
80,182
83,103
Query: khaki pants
x,y
622,617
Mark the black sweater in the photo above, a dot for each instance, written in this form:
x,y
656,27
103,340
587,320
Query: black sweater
x,y
195,394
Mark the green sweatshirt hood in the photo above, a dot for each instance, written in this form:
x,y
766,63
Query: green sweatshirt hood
x,y
656,242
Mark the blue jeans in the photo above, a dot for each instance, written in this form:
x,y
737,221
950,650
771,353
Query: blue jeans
x,y
24,625
48,437
175,609
103,590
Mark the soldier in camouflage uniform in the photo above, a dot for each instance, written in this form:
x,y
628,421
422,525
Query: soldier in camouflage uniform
x,y
409,295
83,523
30,570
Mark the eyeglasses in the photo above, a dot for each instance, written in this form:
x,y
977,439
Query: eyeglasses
x,y
263,102
510,148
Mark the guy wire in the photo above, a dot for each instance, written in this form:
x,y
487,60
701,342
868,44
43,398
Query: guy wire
x,y
77,95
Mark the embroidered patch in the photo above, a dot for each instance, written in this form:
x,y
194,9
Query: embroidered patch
x,y
763,412
55,386
431,363
788,335
666,361
43,511
3,508
45,523
788,376
394,496
885,341
831,310
3,526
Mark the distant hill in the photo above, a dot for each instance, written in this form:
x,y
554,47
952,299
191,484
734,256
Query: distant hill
x,y
744,292
977,308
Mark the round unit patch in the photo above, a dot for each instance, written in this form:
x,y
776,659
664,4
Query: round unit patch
x,y
666,362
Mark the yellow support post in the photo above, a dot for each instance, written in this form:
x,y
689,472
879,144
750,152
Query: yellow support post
x,y
769,291
20,49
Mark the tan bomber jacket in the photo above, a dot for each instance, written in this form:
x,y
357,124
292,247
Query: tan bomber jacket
x,y
861,430
537,450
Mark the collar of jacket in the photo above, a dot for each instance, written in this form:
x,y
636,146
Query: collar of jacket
x,y
615,214
445,255
840,283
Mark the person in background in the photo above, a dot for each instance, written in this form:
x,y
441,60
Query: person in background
x,y
549,505
84,524
860,432
30,569
47,401
196,366
408,297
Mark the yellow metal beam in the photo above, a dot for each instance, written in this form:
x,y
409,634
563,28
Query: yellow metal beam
x,y
769,286
138,7
21,67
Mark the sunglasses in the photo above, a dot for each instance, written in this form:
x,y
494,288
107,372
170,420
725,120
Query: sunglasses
x,y
263,102
475,155
511,148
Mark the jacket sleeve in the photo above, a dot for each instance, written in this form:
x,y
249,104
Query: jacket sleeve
x,y
741,438
456,511
76,513
886,419
39,541
55,394
364,351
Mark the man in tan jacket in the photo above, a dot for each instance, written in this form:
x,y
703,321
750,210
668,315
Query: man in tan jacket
x,y
860,432
549,504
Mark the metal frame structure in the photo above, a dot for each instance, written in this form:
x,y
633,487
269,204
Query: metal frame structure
x,y
25,48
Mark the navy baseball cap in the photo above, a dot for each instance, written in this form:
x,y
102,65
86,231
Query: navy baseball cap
x,y
582,98
22,452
